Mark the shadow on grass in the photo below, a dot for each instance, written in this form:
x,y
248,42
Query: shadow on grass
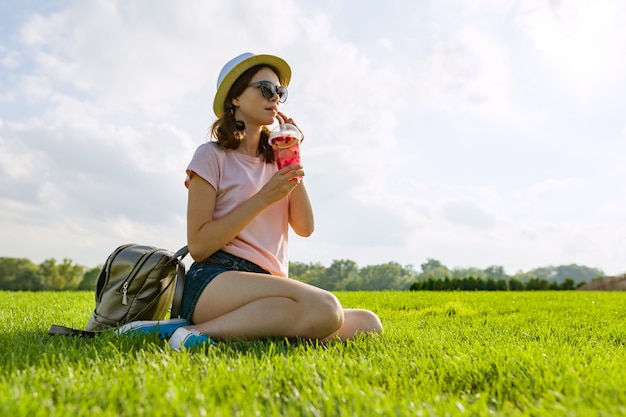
x,y
22,348
272,346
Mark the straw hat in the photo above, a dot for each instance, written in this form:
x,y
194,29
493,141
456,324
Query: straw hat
x,y
237,66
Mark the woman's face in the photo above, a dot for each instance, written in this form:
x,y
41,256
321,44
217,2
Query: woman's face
x,y
251,106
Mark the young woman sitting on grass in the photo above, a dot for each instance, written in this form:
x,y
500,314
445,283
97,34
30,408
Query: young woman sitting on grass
x,y
240,207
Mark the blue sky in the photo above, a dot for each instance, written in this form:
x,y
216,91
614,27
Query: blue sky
x,y
478,132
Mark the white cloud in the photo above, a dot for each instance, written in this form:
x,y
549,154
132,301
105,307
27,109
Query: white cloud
x,y
17,160
11,60
468,214
468,70
578,41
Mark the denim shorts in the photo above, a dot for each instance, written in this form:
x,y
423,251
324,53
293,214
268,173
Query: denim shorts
x,y
201,273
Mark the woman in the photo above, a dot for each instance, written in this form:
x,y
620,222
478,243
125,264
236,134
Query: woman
x,y
240,207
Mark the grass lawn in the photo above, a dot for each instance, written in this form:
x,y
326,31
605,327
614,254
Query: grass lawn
x,y
455,353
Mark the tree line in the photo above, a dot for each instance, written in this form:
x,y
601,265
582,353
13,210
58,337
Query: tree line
x,y
489,284
20,274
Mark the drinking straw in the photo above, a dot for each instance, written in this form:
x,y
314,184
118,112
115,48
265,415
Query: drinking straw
x,y
281,122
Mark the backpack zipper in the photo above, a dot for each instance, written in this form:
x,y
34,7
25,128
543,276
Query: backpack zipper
x,y
124,291
131,275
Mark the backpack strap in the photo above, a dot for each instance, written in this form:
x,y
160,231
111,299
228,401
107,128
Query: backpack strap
x,y
56,330
180,282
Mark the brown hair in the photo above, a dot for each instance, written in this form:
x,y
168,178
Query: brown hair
x,y
227,131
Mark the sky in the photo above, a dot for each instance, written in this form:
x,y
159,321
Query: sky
x,y
473,132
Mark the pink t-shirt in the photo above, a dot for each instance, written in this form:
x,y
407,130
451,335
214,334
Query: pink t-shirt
x,y
236,177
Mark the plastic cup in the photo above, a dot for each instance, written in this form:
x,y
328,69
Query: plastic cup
x,y
285,142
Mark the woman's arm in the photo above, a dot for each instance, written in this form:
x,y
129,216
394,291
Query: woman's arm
x,y
205,235
301,216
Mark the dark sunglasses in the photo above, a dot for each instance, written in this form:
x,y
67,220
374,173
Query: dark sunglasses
x,y
269,90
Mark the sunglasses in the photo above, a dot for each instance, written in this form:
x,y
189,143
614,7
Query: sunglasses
x,y
269,90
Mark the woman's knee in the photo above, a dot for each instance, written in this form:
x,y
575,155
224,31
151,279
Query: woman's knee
x,y
324,316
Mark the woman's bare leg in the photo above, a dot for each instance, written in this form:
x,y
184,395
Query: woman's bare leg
x,y
248,305
357,322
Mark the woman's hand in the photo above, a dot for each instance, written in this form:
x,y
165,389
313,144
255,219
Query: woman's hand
x,y
281,116
282,183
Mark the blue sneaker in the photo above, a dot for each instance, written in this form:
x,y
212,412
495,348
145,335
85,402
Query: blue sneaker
x,y
163,328
188,338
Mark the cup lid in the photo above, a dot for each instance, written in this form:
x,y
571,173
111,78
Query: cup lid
x,y
286,129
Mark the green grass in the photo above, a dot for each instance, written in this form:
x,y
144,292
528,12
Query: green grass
x,y
471,354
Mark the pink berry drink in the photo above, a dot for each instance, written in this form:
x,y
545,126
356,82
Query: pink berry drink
x,y
286,150
285,141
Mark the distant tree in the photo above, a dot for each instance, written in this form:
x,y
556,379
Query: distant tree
x,y
439,284
64,276
516,285
431,264
568,284
313,273
338,271
90,279
19,274
472,284
298,269
490,285
50,275
456,284
73,274
429,284
389,276
496,272
523,276
536,284
422,285
432,268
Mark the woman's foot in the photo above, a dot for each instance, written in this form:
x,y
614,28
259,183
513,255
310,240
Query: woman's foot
x,y
188,339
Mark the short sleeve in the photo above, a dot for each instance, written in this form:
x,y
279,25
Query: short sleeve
x,y
207,162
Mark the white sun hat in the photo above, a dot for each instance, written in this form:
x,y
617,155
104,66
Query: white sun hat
x,y
240,64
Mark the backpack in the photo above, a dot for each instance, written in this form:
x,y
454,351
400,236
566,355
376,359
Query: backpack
x,y
136,282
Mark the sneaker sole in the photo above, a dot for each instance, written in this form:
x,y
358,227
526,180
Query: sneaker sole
x,y
162,329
